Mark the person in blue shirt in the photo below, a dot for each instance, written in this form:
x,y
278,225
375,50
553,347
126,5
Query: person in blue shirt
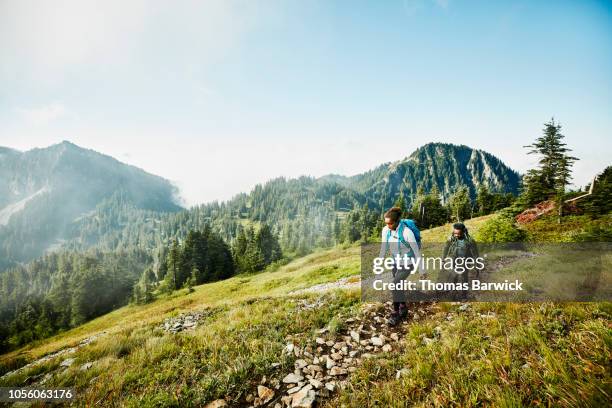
x,y
396,245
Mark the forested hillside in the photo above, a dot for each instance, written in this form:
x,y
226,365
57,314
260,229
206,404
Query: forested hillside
x,y
440,166
441,181
66,196
118,236
44,191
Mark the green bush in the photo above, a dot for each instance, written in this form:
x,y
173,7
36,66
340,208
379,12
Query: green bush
x,y
595,233
499,229
581,228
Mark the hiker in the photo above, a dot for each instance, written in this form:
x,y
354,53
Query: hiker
x,y
460,245
400,237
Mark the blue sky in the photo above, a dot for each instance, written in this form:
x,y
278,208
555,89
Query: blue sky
x,y
220,95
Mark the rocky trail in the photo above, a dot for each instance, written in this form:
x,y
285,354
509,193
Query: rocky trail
x,y
324,363
186,321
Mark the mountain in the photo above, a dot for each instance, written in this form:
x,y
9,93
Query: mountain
x,y
44,191
304,211
445,166
66,196
112,228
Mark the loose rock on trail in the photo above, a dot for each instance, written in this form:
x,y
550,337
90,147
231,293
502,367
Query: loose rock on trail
x,y
324,363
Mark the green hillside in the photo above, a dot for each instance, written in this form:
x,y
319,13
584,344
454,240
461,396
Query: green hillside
x,y
68,236
442,166
55,198
45,193
449,354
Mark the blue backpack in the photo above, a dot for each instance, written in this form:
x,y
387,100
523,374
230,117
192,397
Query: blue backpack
x,y
406,223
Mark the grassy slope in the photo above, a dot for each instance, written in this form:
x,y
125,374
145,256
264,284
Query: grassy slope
x,y
524,354
495,354
441,234
324,266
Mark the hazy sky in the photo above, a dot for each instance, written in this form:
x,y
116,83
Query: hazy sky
x,y
220,95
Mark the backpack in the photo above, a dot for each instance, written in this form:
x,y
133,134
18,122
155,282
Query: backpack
x,y
406,223
453,244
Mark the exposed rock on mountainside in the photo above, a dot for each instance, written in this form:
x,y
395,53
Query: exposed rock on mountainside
x,y
441,165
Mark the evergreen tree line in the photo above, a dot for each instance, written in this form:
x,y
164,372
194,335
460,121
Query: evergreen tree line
x,y
304,214
253,251
205,257
429,210
63,290
297,211
311,228
202,257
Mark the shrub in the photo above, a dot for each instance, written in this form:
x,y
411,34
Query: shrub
x,y
595,233
499,229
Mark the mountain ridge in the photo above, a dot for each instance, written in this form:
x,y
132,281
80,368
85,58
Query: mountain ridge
x,y
468,166
43,190
42,185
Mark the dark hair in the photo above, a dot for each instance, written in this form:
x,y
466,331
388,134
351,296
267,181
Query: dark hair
x,y
394,213
459,226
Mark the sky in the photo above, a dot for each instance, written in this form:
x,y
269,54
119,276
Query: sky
x,y
220,95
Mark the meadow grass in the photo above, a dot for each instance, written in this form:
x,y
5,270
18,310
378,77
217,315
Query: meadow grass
x,y
225,355
442,233
324,266
548,229
492,354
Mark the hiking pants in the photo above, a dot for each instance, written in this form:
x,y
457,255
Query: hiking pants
x,y
400,275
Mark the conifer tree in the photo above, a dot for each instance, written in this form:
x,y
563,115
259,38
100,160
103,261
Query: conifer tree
x,y
268,245
600,201
427,209
174,263
554,167
484,200
460,204
400,203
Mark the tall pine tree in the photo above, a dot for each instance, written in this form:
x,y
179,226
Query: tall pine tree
x,y
554,167
460,204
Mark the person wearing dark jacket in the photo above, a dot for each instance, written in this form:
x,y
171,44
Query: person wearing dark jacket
x,y
460,245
